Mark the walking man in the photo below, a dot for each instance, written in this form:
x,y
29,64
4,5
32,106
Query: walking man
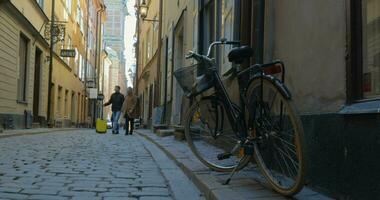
x,y
116,100
130,110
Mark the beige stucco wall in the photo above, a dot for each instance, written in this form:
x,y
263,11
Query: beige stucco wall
x,y
310,37
147,68
10,30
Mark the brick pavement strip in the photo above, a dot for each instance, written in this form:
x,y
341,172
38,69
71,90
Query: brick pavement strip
x,y
80,164
247,184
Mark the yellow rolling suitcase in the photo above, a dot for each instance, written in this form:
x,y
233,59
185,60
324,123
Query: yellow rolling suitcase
x,y
101,126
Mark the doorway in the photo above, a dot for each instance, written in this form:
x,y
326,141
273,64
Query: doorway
x,y
73,109
37,84
178,63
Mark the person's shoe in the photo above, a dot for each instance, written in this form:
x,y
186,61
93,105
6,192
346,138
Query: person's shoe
x,y
117,132
113,132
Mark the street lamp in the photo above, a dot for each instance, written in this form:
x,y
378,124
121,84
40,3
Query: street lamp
x,y
143,11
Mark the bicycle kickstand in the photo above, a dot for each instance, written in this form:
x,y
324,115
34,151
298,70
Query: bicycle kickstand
x,y
233,171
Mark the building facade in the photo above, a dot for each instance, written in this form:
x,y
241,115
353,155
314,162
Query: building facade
x,y
148,59
75,78
331,51
111,78
26,97
114,38
24,70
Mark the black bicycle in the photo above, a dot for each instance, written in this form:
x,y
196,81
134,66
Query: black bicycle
x,y
225,136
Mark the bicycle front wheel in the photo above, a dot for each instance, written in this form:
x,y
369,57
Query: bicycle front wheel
x,y
279,137
209,134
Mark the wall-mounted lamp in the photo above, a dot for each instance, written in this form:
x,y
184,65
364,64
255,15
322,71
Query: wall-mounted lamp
x,y
143,10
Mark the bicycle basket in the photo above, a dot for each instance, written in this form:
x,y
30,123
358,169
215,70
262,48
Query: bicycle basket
x,y
190,83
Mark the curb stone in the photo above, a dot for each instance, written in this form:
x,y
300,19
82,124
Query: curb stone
x,y
249,186
204,182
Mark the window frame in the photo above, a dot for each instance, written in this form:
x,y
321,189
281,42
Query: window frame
x,y
22,84
41,3
355,64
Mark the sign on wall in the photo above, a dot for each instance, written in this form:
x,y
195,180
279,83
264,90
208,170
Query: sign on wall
x,y
93,93
68,53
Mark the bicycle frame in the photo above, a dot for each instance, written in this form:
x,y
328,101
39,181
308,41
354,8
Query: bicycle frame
x,y
235,116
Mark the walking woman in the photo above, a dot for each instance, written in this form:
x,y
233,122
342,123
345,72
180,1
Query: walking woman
x,y
130,110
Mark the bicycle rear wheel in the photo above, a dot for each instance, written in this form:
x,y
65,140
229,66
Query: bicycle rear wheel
x,y
209,134
279,137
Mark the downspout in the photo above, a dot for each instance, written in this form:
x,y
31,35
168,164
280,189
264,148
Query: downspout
x,y
86,58
137,51
163,120
100,50
97,58
159,53
49,117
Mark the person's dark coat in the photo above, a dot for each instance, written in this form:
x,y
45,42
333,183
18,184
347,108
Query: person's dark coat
x,y
116,100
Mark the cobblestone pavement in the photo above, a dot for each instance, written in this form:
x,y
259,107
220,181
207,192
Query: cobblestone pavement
x,y
85,165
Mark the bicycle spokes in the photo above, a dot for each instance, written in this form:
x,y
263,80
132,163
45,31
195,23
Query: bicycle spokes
x,y
278,136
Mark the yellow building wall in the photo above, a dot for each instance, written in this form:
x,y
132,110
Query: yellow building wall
x,y
10,31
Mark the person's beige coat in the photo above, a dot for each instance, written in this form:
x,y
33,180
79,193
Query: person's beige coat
x,y
130,106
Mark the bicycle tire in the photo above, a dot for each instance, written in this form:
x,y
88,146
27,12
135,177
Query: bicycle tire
x,y
275,173
209,159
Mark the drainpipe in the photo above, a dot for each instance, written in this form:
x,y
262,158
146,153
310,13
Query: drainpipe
x,y
49,117
137,50
159,53
86,57
97,57
163,120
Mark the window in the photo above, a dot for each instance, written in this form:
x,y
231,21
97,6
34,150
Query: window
x,y
371,48
149,45
23,67
364,73
65,15
59,102
69,43
76,64
90,41
80,67
68,6
41,3
155,35
207,28
66,104
143,59
79,18
227,32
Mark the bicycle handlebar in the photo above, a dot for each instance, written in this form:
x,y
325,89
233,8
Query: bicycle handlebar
x,y
223,41
199,57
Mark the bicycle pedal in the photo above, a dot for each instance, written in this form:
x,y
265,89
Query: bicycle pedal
x,y
224,156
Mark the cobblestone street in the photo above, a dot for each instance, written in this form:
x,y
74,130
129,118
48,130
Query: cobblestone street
x,y
85,165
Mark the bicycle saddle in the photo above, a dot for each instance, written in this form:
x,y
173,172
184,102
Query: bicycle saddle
x,y
238,54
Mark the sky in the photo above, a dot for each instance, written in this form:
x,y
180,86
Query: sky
x,y
130,25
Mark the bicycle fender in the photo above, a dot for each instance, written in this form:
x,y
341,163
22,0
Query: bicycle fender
x,y
276,82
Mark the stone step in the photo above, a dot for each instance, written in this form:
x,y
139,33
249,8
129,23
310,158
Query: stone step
x,y
179,136
179,133
157,127
165,132
36,125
